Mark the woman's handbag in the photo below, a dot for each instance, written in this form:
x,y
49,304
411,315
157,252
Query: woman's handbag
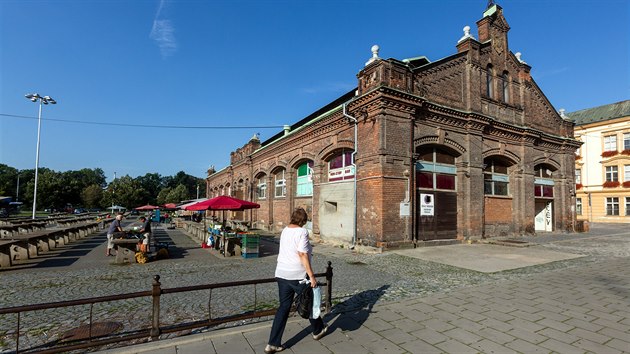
x,y
304,301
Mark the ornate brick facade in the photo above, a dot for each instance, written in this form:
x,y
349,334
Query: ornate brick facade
x,y
471,133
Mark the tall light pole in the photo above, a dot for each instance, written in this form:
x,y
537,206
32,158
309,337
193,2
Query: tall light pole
x,y
34,97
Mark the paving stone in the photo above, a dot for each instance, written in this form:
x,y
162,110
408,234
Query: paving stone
x,y
619,344
453,346
595,347
382,346
462,335
430,336
420,347
560,326
592,336
558,335
522,346
488,346
397,336
559,347
197,347
495,336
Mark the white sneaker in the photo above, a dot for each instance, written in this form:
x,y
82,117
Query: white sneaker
x,y
270,349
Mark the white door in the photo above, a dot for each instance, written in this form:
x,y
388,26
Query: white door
x,y
544,218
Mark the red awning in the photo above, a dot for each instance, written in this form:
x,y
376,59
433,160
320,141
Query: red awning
x,y
223,202
147,207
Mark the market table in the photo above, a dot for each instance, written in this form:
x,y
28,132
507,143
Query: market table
x,y
126,250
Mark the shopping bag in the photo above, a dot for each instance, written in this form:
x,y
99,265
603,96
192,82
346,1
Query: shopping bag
x,y
304,301
317,302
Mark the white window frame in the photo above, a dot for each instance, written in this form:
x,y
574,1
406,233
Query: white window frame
x,y
304,184
626,173
578,206
344,173
261,188
610,143
578,176
627,206
280,184
612,206
626,141
612,173
496,178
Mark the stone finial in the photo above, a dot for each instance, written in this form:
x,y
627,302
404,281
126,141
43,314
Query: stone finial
x,y
466,34
255,137
562,111
374,57
518,57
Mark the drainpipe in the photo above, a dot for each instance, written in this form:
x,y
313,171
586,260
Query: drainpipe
x,y
354,154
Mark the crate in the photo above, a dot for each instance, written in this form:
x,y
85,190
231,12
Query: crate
x,y
249,249
250,240
249,255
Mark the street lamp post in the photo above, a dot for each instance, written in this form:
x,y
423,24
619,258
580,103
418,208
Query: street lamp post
x,y
34,97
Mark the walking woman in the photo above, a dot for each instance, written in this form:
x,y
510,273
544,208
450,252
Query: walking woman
x,y
294,263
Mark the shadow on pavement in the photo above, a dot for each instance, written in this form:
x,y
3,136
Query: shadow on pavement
x,y
348,315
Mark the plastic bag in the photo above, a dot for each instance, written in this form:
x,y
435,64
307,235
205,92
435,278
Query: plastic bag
x,y
304,301
317,302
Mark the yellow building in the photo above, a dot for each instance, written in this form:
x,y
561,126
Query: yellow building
x,y
602,164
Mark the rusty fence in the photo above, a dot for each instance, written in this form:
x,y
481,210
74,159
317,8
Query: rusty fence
x,y
153,332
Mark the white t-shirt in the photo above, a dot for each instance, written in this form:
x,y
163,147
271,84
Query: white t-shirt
x,y
292,241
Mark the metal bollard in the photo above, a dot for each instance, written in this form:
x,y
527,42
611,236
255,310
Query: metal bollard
x,y
157,291
329,277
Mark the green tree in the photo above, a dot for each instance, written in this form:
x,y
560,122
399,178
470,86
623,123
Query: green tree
x,y
178,194
92,195
152,183
124,191
8,180
163,195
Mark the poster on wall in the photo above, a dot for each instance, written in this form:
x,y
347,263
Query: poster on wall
x,y
427,205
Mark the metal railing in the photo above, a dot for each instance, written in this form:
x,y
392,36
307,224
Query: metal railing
x,y
155,329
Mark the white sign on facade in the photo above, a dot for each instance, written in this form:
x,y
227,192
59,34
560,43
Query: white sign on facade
x,y
405,209
427,205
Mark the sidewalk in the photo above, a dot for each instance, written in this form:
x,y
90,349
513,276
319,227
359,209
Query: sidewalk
x,y
584,308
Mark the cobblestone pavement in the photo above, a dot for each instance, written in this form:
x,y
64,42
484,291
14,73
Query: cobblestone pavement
x,y
361,279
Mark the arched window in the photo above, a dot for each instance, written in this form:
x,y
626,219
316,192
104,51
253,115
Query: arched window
x,y
505,83
261,187
341,167
280,184
489,82
543,183
435,169
304,185
495,177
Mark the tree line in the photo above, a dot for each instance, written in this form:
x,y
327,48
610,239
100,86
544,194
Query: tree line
x,y
89,189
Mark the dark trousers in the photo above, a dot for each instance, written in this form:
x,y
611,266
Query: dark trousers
x,y
286,292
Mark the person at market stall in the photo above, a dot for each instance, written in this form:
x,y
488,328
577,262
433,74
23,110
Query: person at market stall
x,y
115,226
145,230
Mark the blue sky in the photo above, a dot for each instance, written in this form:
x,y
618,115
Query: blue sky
x,y
253,64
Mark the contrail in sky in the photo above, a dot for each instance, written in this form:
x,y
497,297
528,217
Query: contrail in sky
x,y
163,33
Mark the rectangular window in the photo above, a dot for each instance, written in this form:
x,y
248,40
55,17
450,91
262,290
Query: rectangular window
x,y
612,206
610,143
612,174
424,180
340,167
304,180
626,141
578,176
262,188
627,206
578,206
281,184
626,173
445,181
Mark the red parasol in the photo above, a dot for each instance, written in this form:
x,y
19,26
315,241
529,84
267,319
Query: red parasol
x,y
147,207
169,206
223,202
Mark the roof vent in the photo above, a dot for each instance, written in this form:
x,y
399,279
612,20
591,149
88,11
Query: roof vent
x,y
287,129
374,57
466,34
518,57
